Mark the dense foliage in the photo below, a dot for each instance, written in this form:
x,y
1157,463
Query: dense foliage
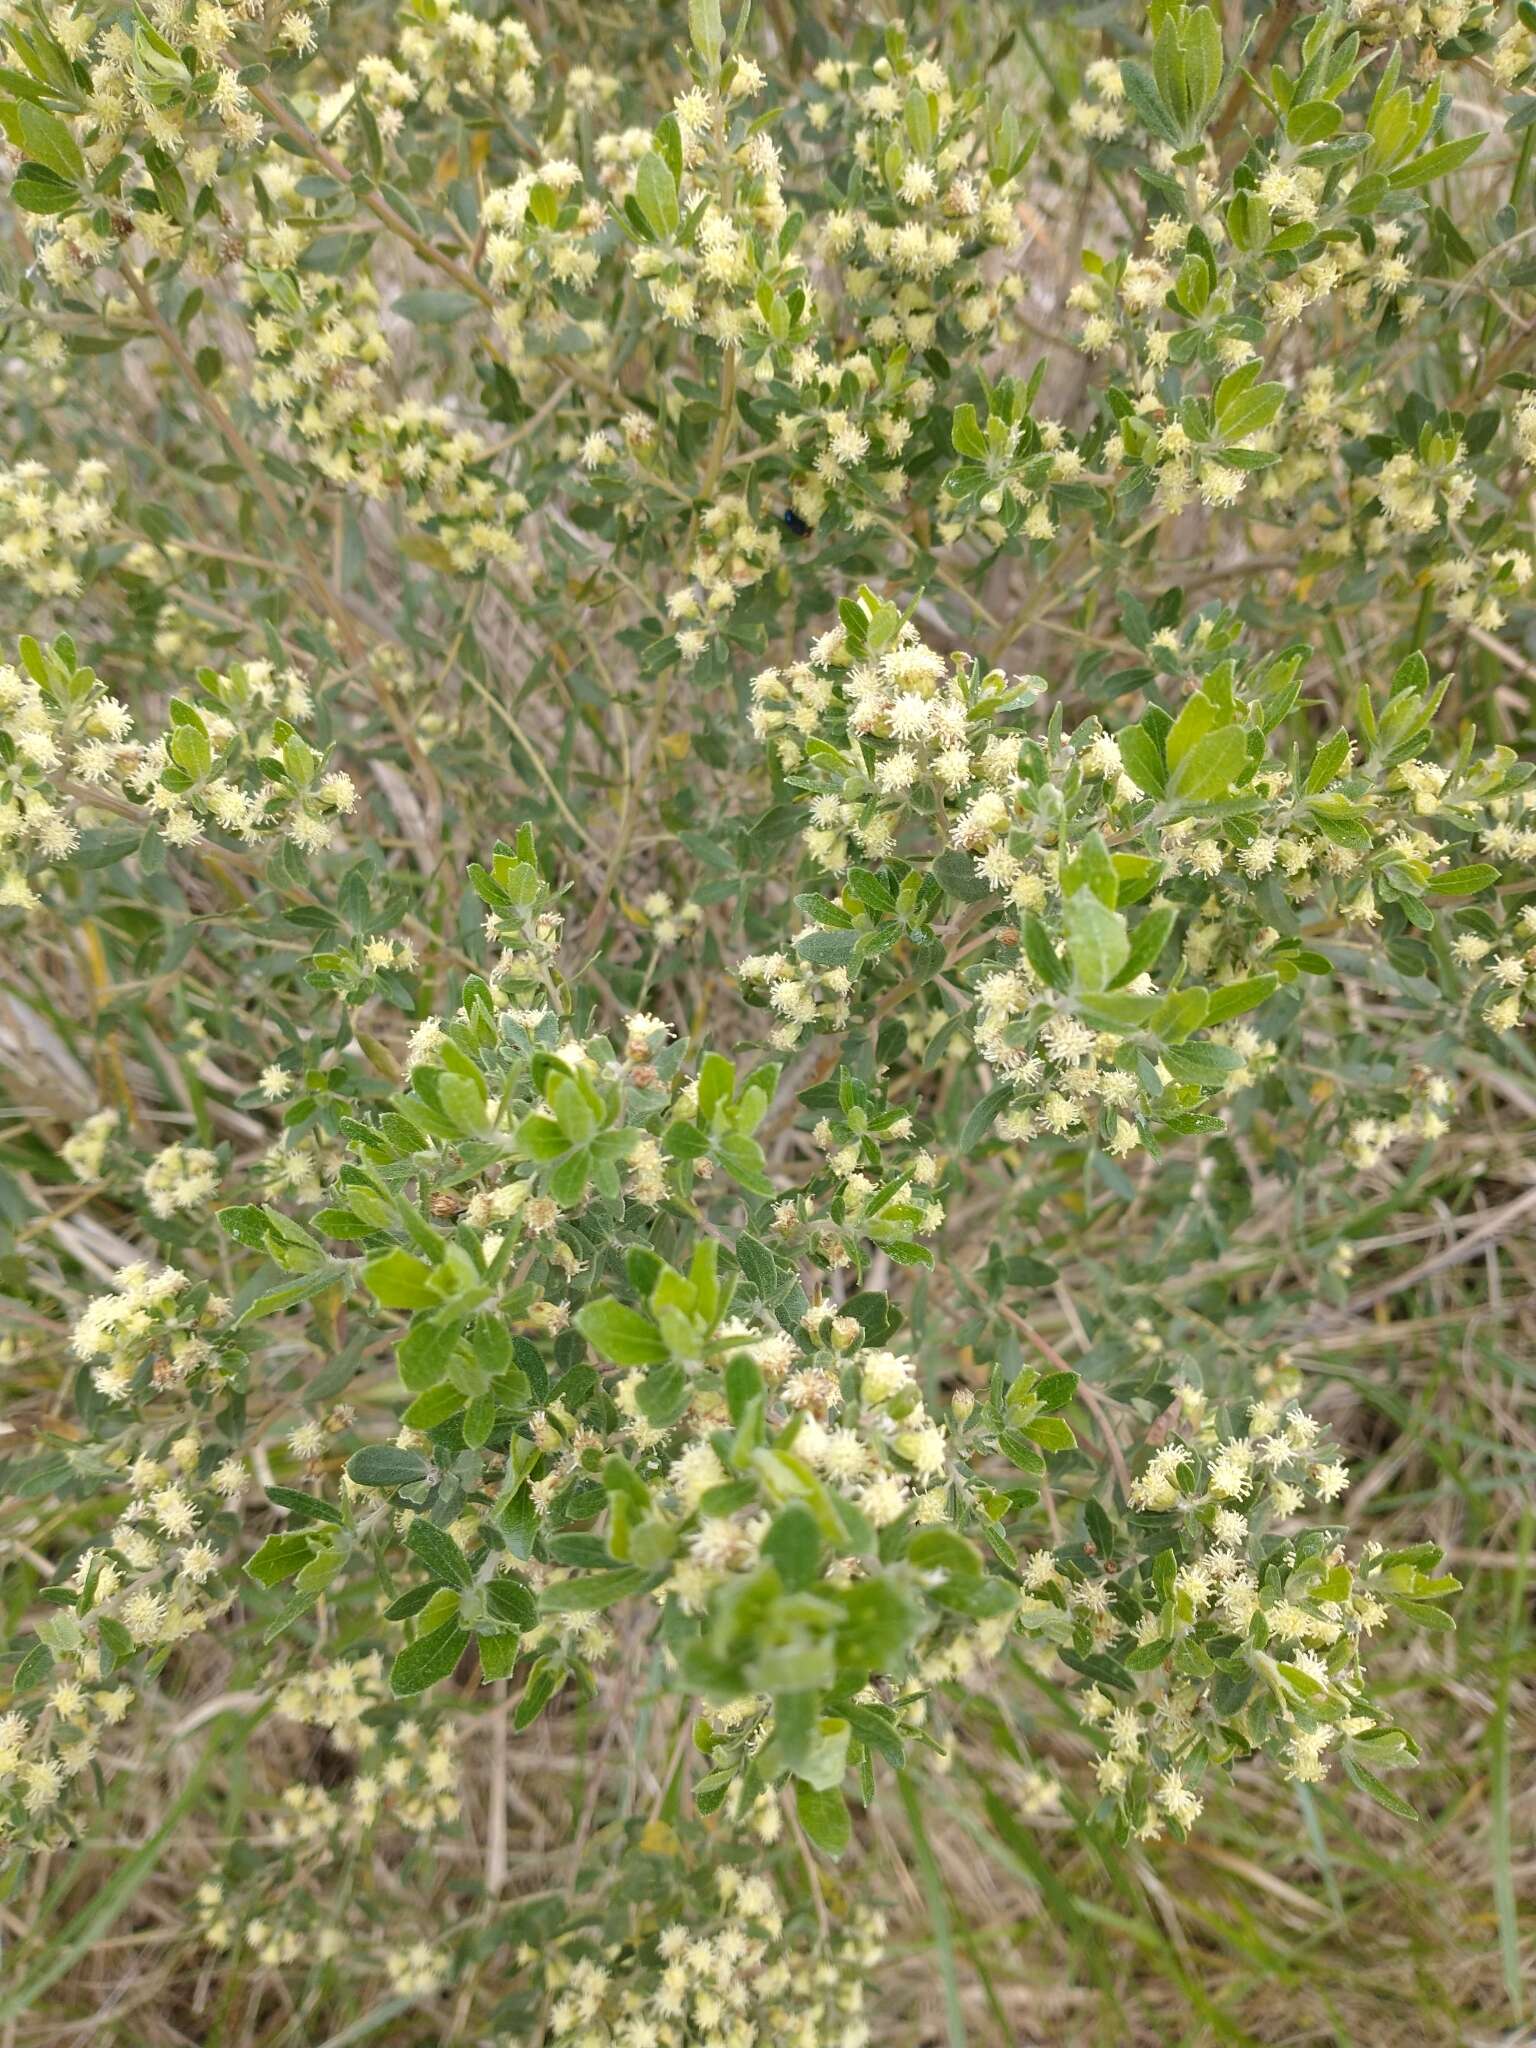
x,y
746,761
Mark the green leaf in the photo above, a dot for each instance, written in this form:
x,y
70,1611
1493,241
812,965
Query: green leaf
x,y
1411,673
305,1507
573,1112
1328,763
46,140
1145,98
540,1137
593,1591
1143,759
827,949
717,1081
435,305
438,1552
544,1681
1184,1011
1199,716
1147,1656
823,1814
398,1279
1098,943
1234,997
568,1181
287,1293
1251,412
510,1601
793,1545
1338,819
875,1726
386,1465
1312,121
1042,955
280,1556
1462,881
983,1116
944,1550
32,1669
479,1420
656,196
428,1659
498,1655
433,1406
621,1334
425,1352
956,875
1369,1783
1206,1065
1436,163
966,436
246,1224
1202,55
1210,767
1147,942
341,1223
1015,1447
706,32
744,1160
760,1267
1091,868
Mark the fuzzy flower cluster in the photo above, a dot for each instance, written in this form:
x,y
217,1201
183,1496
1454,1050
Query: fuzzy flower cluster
x,y
543,255
69,763
448,53
731,1975
916,703
800,994
1242,1630
49,524
398,1783
1420,508
142,1339
180,1177
1262,261
877,1178
938,184
726,274
899,753
407,1771
737,550
859,1421
326,369
139,100
153,1579
670,923
1502,965
42,1753
704,204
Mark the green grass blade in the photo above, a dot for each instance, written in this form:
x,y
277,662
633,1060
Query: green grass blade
x,y
1499,1789
938,1910
105,1905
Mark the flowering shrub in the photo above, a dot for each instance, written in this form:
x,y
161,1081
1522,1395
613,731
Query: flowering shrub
x,y
778,769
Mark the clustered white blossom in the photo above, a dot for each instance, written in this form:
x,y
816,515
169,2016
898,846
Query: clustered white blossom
x,y
72,764
733,1975
906,753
